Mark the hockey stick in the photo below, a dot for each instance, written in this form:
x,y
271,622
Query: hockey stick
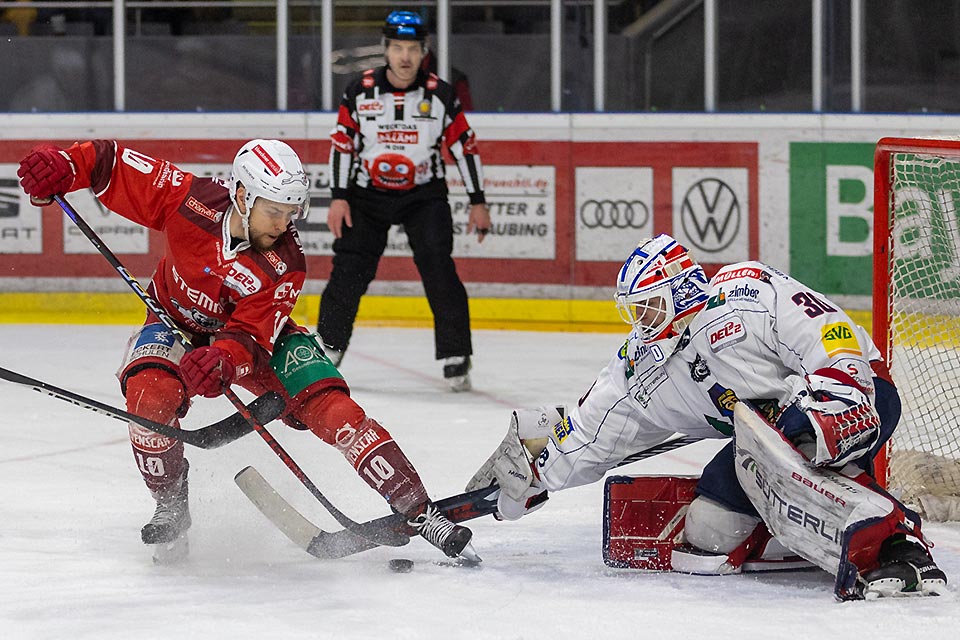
x,y
327,545
386,539
267,407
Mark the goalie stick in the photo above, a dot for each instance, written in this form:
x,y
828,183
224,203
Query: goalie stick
x,y
327,545
267,407
384,537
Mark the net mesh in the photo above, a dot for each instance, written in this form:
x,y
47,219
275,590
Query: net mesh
x,y
924,330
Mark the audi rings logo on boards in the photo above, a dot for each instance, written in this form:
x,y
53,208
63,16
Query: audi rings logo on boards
x,y
614,214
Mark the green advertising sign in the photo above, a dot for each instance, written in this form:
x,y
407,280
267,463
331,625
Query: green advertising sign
x,y
831,216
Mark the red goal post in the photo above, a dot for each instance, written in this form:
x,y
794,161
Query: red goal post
x,y
916,316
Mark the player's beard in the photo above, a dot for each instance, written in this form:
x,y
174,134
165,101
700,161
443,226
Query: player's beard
x,y
261,241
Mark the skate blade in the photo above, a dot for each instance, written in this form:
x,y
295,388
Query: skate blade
x,y
170,553
894,588
460,563
468,555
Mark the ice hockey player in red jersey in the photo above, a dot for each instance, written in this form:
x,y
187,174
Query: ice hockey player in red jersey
x,y
230,276
701,352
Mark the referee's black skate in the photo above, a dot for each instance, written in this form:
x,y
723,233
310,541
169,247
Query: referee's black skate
x,y
167,529
435,528
906,569
456,370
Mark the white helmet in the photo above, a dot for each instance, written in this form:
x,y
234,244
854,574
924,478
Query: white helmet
x,y
659,291
270,169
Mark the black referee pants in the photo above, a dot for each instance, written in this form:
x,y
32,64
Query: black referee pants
x,y
426,218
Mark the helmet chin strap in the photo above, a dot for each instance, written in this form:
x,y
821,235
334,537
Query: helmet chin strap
x,y
244,219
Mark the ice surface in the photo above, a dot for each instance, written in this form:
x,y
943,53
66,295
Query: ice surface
x,y
72,565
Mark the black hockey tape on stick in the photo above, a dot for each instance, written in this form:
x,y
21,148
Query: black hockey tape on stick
x,y
267,407
388,538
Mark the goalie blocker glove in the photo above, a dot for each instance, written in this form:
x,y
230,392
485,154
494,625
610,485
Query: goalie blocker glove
x,y
832,422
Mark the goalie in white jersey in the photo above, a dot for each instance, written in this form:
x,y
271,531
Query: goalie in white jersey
x,y
797,476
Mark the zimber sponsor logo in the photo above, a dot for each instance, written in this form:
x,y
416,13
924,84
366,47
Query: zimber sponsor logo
x,y
744,291
198,207
398,137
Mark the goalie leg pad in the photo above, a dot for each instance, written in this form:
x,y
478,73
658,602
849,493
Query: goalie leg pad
x,y
820,514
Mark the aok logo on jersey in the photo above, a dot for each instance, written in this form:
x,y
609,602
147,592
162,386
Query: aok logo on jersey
x,y
839,338
726,334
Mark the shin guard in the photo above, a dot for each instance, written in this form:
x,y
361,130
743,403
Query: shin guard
x,y
156,394
382,465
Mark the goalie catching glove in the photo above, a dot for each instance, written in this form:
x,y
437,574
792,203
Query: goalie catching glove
x,y
832,422
511,465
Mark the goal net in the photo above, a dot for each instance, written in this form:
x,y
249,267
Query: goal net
x,y
916,315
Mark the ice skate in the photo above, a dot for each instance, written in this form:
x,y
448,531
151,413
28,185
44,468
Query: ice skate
x,y
167,529
906,569
452,539
456,370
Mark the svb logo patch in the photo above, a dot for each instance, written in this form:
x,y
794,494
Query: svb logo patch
x,y
839,338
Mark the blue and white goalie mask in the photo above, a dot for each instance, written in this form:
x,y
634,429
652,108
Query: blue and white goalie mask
x,y
660,290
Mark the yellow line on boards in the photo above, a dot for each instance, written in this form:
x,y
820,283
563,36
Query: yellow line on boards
x,y
515,314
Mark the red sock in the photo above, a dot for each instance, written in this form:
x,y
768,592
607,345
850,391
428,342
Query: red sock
x,y
157,395
370,448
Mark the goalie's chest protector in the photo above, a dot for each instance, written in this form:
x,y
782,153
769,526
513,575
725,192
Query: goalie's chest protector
x,y
724,359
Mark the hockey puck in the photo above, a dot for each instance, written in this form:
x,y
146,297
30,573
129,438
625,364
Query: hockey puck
x,y
401,565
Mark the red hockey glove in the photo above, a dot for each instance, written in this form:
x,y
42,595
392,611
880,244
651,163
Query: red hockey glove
x,y
206,371
45,172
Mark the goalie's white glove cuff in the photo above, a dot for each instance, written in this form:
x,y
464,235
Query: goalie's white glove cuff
x,y
511,509
533,424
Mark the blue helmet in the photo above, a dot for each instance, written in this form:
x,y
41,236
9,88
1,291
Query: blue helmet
x,y
404,25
